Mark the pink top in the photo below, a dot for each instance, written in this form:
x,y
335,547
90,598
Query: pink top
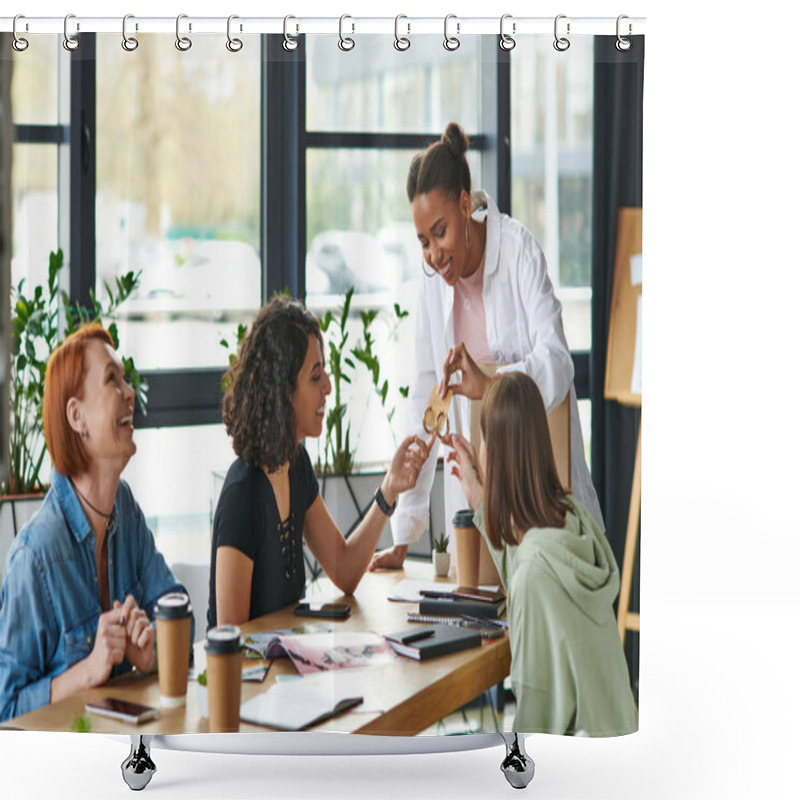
x,y
469,315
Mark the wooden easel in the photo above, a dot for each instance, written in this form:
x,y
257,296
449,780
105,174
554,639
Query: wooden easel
x,y
619,372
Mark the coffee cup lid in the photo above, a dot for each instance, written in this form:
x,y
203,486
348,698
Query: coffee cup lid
x,y
463,518
224,639
173,605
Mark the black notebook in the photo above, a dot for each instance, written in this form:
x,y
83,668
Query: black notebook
x,y
458,606
436,640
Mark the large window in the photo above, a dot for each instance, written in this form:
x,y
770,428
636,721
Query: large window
x,y
37,111
385,106
551,140
178,182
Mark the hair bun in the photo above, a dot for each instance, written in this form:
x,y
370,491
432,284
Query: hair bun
x,y
456,139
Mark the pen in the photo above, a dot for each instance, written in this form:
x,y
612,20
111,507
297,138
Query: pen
x,y
434,594
415,637
497,623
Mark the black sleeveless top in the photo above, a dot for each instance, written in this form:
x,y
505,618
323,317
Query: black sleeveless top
x,y
247,518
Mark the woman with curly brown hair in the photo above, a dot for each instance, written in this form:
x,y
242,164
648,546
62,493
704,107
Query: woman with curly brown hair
x,y
270,501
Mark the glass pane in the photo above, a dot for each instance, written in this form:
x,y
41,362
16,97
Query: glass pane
x,y
377,89
178,183
34,80
34,180
551,136
360,234
174,477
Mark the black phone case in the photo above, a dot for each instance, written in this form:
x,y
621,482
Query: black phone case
x,y
325,613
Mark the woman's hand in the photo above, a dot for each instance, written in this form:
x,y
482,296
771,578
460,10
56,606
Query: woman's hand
x,y
140,634
465,467
109,647
473,381
405,467
391,558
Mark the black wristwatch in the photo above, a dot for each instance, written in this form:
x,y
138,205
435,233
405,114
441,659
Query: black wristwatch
x,y
383,505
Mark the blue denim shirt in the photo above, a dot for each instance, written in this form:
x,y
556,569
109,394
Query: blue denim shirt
x,y
49,598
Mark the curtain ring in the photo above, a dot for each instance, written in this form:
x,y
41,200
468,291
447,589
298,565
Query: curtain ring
x,y
129,43
561,43
289,43
622,44
451,42
70,42
183,43
345,42
233,44
19,44
507,42
400,42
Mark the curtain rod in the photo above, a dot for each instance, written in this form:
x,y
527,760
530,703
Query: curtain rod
x,y
348,25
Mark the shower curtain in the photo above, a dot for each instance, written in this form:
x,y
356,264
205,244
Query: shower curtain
x,y
212,171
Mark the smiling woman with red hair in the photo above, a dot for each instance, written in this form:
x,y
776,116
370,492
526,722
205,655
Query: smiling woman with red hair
x,y
84,574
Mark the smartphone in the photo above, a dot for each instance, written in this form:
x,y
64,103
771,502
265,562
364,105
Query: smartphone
x,y
325,610
122,710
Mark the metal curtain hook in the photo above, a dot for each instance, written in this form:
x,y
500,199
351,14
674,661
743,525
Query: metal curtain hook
x,y
289,43
19,44
70,42
561,43
622,44
400,42
183,43
451,42
345,42
233,44
507,42
129,43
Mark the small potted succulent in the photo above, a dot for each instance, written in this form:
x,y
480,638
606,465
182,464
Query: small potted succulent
x,y
441,558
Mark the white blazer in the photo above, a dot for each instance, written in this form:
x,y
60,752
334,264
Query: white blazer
x,y
525,333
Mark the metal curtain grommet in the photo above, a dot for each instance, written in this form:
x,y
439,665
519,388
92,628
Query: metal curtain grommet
x,y
451,42
129,43
70,42
506,41
19,44
429,420
345,42
401,42
561,43
622,44
183,43
289,43
233,44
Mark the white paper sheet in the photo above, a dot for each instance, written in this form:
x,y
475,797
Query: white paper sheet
x,y
636,270
636,377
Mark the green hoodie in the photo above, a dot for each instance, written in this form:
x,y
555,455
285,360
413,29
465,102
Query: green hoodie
x,y
568,670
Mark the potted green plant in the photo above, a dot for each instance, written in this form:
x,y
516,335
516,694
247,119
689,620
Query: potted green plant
x,y
40,320
344,354
441,557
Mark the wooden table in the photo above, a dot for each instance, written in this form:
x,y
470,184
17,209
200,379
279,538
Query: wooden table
x,y
413,695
